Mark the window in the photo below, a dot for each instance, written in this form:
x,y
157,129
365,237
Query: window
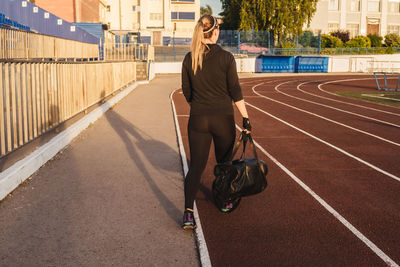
x,y
394,7
393,29
354,29
355,6
333,27
333,4
374,5
182,15
155,16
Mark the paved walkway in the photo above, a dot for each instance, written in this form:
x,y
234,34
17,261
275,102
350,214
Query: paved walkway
x,y
114,196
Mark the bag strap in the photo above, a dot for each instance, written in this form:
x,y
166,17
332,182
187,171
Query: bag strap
x,y
253,146
243,137
236,146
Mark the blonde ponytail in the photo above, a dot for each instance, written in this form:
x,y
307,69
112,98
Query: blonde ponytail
x,y
203,29
197,47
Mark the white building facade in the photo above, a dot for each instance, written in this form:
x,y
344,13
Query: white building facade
x,y
360,17
156,21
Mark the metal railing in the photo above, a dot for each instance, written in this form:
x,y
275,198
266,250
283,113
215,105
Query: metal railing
x,y
127,51
18,44
383,66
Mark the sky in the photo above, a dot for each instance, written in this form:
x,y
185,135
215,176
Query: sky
x,y
215,5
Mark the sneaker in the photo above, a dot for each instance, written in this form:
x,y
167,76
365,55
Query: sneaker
x,y
188,220
230,206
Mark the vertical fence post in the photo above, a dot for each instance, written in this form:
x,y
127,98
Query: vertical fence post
x,y
2,108
319,43
238,41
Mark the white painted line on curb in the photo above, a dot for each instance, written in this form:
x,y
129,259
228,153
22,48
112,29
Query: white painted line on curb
x,y
201,241
325,142
336,214
321,117
13,176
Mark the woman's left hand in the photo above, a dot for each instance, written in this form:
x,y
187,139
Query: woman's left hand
x,y
246,125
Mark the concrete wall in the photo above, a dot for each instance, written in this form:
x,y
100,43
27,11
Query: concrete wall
x,y
336,64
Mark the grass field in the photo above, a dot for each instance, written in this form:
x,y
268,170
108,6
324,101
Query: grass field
x,y
387,98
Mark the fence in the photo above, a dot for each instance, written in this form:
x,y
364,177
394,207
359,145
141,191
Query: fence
x,y
127,51
16,44
254,43
384,66
36,97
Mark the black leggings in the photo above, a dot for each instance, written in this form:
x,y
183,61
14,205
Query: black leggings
x,y
201,129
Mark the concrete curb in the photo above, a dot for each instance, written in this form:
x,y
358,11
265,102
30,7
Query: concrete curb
x,y
16,174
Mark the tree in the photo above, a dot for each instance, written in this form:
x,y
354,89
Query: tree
x,y
206,10
307,39
230,14
281,17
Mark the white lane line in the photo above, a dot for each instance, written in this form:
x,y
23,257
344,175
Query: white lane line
x,y
329,208
348,80
326,143
344,111
381,96
344,102
201,241
321,117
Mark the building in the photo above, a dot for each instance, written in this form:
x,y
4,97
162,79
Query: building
x,y
156,21
359,17
88,11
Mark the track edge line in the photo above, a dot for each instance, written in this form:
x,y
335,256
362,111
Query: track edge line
x,y
200,240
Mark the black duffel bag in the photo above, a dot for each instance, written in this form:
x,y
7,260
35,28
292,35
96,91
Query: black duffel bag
x,y
241,177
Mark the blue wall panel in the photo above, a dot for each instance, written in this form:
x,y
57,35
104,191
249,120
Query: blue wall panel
x,y
23,13
311,64
275,63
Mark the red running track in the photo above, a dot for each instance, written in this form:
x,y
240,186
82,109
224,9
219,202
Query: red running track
x,y
334,178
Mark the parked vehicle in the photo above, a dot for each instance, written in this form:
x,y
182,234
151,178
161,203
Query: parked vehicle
x,y
253,48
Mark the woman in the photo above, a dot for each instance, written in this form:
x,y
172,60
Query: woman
x,y
210,84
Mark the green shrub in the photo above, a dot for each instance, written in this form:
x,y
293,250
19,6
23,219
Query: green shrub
x,y
376,40
287,44
328,41
392,40
389,50
359,41
307,39
342,35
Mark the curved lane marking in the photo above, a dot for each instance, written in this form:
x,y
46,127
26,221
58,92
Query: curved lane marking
x,y
343,102
331,210
322,141
341,110
349,80
322,117
201,241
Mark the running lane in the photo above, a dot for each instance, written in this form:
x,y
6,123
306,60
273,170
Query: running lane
x,y
285,225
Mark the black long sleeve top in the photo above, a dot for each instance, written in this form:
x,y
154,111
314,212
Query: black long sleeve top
x,y
213,88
